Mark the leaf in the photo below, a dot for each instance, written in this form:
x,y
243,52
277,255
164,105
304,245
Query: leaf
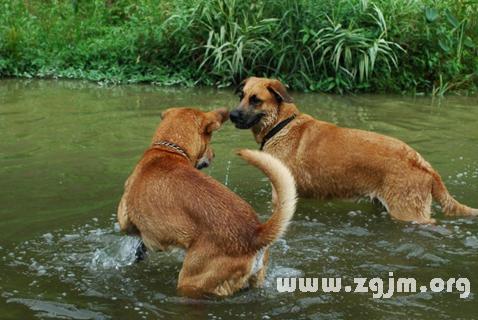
x,y
444,46
305,38
451,18
431,14
469,43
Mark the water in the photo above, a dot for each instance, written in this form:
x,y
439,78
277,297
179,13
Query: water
x,y
66,149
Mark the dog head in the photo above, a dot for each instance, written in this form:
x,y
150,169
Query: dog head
x,y
260,101
192,129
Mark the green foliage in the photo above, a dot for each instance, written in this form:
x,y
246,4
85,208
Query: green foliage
x,y
327,45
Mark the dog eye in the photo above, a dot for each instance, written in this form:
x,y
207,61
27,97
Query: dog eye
x,y
255,100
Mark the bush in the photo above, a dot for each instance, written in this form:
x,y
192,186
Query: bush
x,y
313,45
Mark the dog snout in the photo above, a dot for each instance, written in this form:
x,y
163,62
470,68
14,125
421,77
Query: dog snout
x,y
206,159
235,115
245,119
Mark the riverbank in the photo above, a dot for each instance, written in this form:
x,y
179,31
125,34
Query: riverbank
x,y
419,47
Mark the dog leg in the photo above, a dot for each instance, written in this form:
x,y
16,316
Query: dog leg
x,y
192,281
408,199
416,209
210,282
204,274
408,215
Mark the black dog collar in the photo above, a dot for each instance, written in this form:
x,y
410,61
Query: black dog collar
x,y
276,129
171,145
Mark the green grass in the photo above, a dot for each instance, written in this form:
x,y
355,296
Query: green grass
x,y
313,45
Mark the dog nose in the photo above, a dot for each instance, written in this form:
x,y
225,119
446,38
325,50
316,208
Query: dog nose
x,y
234,115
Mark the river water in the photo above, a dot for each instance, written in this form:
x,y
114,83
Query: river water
x,y
66,149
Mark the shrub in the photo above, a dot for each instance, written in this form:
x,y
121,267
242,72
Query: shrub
x,y
321,45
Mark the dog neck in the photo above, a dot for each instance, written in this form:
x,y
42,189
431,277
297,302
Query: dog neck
x,y
172,146
181,136
285,111
275,130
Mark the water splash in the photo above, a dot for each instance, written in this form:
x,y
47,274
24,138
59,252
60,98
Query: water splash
x,y
119,253
228,169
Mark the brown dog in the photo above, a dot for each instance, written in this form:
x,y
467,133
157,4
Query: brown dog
x,y
168,202
332,162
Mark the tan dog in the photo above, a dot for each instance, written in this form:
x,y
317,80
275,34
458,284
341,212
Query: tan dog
x,y
332,162
168,202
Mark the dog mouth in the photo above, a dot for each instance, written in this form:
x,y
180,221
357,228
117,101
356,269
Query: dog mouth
x,y
241,125
248,123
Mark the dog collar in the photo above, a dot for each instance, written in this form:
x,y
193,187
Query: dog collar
x,y
173,146
276,129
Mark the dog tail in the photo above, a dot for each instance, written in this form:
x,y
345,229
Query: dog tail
x,y
449,205
286,195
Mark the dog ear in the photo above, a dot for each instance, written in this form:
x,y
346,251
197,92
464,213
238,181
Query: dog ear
x,y
278,90
215,118
240,87
222,114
